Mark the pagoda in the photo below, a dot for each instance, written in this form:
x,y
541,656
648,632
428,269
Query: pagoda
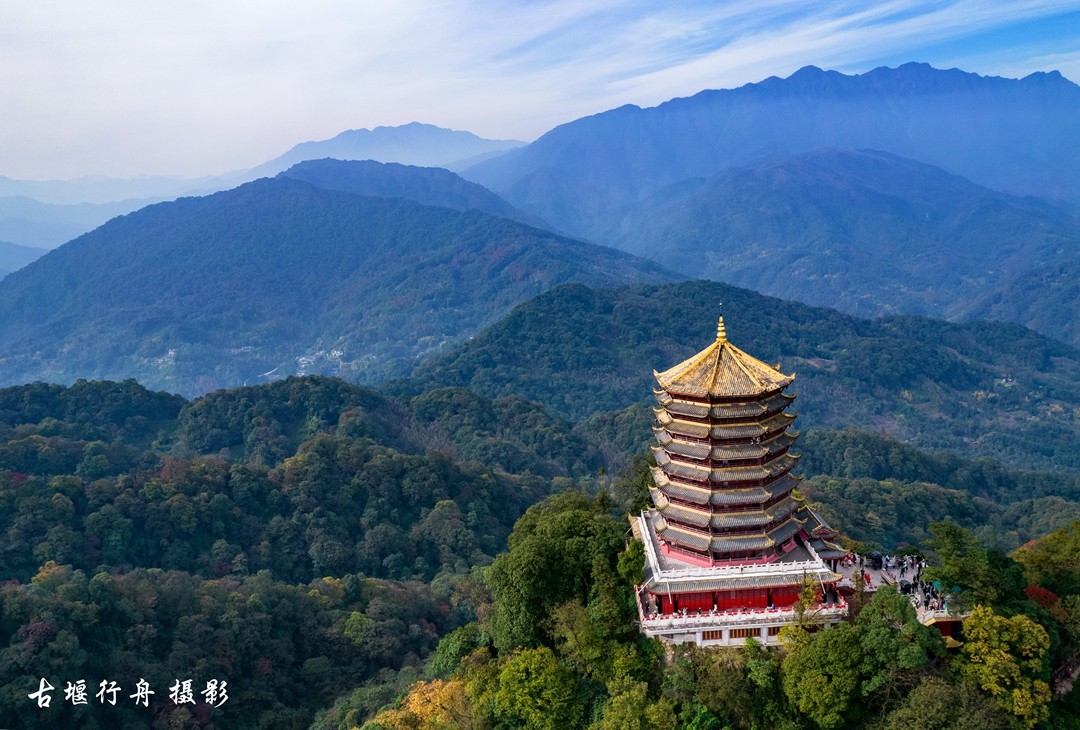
x,y
730,544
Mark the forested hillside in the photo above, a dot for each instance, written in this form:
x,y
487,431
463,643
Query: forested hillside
x,y
279,277
311,542
556,648
1045,298
982,388
296,539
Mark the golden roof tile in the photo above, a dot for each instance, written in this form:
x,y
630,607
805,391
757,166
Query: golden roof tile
x,y
722,370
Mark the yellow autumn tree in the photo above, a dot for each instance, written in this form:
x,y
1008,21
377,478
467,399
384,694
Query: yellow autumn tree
x,y
1006,658
434,705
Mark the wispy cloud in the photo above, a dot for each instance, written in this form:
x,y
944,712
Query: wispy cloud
x,y
125,86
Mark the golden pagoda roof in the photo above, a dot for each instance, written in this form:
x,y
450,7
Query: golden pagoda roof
x,y
722,370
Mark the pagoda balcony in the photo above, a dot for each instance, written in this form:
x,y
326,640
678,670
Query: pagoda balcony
x,y
767,501
733,626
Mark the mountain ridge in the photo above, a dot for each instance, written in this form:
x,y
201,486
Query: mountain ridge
x,y
278,276
50,212
628,152
864,231
981,388
434,186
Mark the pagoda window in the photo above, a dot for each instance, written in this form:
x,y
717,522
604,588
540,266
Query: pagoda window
x,y
754,461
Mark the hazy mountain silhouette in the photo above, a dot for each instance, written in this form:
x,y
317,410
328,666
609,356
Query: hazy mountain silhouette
x,y
278,276
28,208
427,185
424,145
1012,135
865,232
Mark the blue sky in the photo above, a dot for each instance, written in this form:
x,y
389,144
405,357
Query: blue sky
x,y
126,87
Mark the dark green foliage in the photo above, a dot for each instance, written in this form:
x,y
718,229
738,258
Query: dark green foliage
x,y
821,678
309,477
552,560
251,561
851,453
536,691
509,432
340,505
311,484
283,649
852,672
936,704
622,434
453,647
710,687
979,389
264,424
961,560
888,513
896,650
887,492
892,513
89,410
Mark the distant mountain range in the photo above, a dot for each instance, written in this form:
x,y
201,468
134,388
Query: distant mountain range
x,y
47,225
281,276
880,193
1017,136
865,232
422,145
907,190
46,213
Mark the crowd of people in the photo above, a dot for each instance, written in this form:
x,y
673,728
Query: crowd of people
x,y
903,571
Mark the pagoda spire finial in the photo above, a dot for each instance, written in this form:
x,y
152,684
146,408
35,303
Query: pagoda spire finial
x,y
721,331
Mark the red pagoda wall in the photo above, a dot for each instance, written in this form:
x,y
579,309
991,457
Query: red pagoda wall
x,y
782,597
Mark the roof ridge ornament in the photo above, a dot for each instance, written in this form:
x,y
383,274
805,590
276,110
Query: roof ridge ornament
x,y
721,331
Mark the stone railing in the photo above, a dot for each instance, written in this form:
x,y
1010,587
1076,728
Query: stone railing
x,y
743,617
810,567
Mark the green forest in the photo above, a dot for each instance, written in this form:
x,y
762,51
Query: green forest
x,y
979,389
346,557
